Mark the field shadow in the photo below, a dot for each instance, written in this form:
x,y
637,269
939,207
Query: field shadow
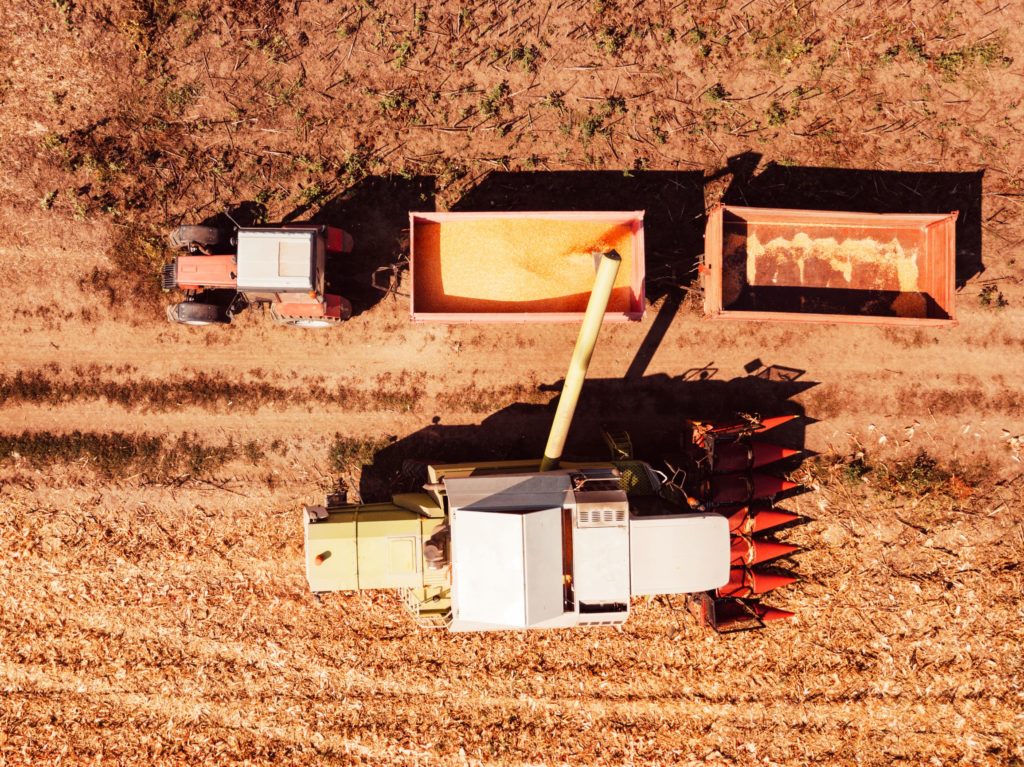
x,y
246,213
869,191
673,201
657,407
375,211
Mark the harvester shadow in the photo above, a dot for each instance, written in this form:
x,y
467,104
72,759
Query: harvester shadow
x,y
673,201
869,191
657,407
655,335
375,211
800,521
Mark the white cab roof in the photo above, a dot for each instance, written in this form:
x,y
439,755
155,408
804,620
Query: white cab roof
x,y
506,549
276,259
679,554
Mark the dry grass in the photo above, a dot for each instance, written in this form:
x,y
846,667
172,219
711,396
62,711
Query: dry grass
x,y
475,399
115,454
54,385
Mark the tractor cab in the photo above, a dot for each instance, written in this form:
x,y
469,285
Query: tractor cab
x,y
283,267
280,265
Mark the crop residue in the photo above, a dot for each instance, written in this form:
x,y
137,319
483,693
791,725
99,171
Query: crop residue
x,y
863,264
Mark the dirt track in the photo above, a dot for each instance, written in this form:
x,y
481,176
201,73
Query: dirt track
x,y
956,384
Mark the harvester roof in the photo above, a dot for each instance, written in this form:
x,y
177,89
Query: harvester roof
x,y
276,259
507,548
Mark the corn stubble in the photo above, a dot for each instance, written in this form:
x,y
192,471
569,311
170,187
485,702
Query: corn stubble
x,y
168,623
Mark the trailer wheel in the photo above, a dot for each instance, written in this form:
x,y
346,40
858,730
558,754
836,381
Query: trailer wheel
x,y
196,313
205,236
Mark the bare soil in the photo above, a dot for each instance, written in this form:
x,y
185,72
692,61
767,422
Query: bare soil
x,y
164,617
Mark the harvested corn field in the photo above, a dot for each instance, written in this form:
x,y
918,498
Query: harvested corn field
x,y
188,635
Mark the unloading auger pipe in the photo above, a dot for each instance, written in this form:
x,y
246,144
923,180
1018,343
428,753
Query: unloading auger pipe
x,y
607,270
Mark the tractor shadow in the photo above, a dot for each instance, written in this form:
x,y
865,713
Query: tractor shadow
x,y
375,211
657,405
869,191
247,213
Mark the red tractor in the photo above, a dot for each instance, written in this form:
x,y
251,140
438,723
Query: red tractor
x,y
282,266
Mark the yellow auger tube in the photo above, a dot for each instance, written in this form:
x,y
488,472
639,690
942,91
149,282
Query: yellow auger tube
x,y
584,350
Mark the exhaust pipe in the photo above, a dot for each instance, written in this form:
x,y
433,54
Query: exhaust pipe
x,y
583,351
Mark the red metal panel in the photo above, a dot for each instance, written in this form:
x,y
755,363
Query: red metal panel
x,y
711,269
198,272
334,307
338,240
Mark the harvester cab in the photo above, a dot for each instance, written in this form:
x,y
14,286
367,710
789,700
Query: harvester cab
x,y
283,267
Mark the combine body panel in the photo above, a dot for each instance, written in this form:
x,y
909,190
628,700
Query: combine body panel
x,y
522,267
824,266
678,554
370,546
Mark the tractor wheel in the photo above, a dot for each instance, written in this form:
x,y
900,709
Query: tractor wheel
x,y
195,313
205,236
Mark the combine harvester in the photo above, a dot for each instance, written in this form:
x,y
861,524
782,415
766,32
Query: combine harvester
x,y
551,544
547,544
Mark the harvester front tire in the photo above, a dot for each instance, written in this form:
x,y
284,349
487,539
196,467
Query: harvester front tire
x,y
206,236
196,313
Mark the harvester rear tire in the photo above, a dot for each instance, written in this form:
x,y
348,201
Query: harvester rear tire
x,y
206,236
196,313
